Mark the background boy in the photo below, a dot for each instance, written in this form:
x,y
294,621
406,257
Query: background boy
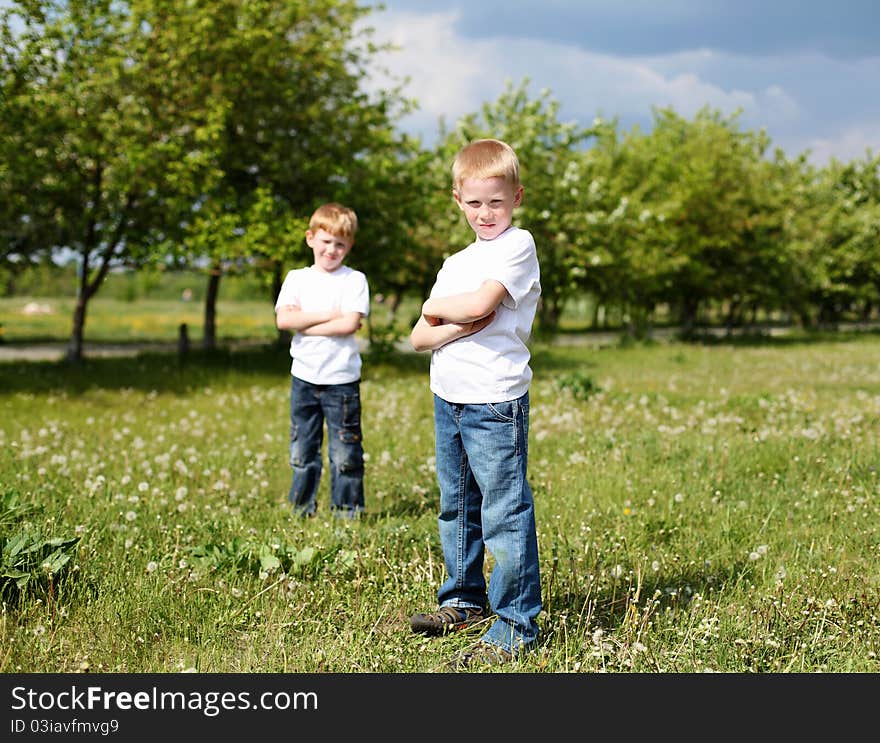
x,y
476,323
323,304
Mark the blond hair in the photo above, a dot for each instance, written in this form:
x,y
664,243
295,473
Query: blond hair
x,y
336,219
486,158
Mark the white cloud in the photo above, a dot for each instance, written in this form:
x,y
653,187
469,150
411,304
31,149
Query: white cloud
x,y
452,76
444,69
851,143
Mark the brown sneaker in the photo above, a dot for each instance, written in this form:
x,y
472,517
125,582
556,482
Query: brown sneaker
x,y
447,619
481,655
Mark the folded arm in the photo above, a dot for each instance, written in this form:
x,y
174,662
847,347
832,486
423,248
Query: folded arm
x,y
429,333
466,307
345,324
325,322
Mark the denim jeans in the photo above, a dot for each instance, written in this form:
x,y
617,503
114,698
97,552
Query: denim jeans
x,y
340,405
486,503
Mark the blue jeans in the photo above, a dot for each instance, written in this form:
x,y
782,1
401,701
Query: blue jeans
x,y
340,405
486,503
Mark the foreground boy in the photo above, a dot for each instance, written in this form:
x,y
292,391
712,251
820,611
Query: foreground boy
x,y
476,324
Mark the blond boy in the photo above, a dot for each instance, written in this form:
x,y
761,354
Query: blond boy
x,y
476,323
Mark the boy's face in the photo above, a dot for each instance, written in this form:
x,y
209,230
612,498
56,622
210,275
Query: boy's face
x,y
330,250
488,204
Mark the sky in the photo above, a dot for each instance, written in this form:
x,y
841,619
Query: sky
x,y
806,71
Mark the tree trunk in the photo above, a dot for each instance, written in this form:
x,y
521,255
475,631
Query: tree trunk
x,y
689,307
209,340
86,289
75,344
549,311
284,336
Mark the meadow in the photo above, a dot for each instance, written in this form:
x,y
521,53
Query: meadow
x,y
701,508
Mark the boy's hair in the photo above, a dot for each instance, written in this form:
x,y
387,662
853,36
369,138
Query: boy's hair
x,y
336,219
485,158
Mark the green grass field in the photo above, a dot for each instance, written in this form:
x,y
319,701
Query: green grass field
x,y
29,319
700,508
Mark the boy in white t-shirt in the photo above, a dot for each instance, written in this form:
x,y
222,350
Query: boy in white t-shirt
x,y
476,323
324,304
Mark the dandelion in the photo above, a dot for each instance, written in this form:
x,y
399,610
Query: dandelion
x,y
152,566
143,487
617,571
678,497
130,515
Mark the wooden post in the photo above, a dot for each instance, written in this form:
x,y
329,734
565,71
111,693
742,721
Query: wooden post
x,y
183,340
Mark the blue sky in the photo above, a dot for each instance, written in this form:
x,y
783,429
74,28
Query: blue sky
x,y
807,71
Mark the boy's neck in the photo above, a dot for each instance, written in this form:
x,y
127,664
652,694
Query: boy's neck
x,y
322,270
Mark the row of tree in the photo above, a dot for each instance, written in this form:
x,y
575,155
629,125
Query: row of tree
x,y
204,133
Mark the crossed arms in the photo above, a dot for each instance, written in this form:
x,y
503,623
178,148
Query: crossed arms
x,y
445,319
326,322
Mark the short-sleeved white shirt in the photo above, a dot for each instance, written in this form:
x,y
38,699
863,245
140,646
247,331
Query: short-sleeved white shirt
x,y
325,359
491,365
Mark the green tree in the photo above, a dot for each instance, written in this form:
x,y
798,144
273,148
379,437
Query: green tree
x,y
845,239
720,228
296,128
620,246
148,129
105,135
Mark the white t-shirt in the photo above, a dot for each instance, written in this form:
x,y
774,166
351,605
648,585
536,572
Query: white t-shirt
x,y
325,359
491,365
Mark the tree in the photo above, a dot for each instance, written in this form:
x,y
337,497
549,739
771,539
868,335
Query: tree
x,y
845,233
722,230
106,132
620,247
125,124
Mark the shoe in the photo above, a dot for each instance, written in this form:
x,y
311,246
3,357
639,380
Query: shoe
x,y
481,655
447,619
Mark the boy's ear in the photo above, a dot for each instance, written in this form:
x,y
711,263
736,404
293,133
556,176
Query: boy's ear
x,y
518,196
457,198
309,237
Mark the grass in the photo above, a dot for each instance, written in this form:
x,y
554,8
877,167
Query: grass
x,y
700,508
29,319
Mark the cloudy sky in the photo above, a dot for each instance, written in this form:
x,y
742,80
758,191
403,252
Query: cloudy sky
x,y
807,71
